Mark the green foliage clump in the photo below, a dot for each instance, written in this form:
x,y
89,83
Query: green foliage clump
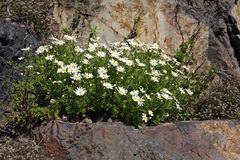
x,y
93,31
219,101
132,82
33,14
25,110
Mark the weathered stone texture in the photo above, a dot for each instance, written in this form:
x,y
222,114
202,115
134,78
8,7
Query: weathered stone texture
x,y
13,38
173,141
166,22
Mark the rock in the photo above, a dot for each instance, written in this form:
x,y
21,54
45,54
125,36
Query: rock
x,y
104,140
109,120
214,25
12,39
87,120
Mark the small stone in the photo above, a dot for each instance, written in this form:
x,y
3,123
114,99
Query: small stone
x,y
23,26
87,120
64,118
109,119
8,19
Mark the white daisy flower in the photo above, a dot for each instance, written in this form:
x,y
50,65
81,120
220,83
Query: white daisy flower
x,y
89,56
144,117
96,44
155,79
141,64
135,98
189,91
142,90
57,82
80,91
155,46
103,45
162,62
122,91
21,58
85,61
178,107
76,77
156,73
60,42
175,74
166,91
91,47
140,101
101,54
29,67
129,62
159,96
88,75
184,66
120,69
166,96
59,70
150,113
108,85
153,62
102,70
64,69
181,90
148,97
134,93
165,57
104,76
67,37
71,69
52,101
78,49
26,49
113,62
73,65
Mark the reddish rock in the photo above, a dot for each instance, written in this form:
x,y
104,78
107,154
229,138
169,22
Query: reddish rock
x,y
182,140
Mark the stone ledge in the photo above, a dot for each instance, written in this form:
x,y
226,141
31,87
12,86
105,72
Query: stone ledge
x,y
181,140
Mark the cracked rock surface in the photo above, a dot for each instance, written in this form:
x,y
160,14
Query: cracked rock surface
x,y
214,25
170,141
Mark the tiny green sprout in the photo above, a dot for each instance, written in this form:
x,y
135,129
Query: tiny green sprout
x,y
93,31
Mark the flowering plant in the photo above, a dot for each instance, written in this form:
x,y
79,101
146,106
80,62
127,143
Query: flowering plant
x,y
133,82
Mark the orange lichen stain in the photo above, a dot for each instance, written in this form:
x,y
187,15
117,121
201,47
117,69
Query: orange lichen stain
x,y
229,144
125,15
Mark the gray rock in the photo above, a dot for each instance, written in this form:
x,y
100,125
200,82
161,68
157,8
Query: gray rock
x,y
12,40
172,141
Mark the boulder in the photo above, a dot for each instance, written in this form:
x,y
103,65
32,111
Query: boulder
x,y
13,38
113,140
214,25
